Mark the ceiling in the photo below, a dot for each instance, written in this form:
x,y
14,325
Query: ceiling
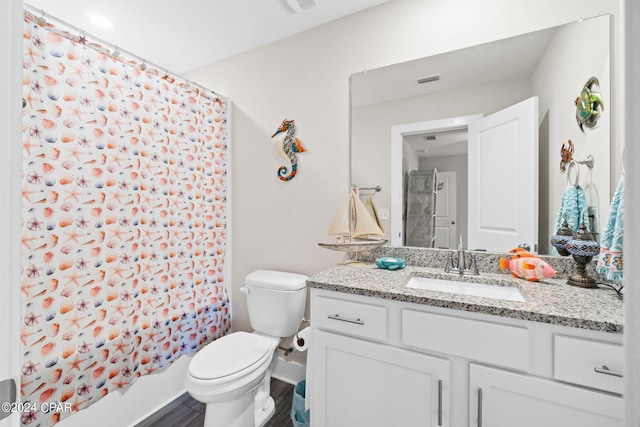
x,y
509,59
443,143
182,36
504,60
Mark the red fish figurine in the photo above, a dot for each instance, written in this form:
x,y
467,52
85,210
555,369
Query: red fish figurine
x,y
521,253
527,266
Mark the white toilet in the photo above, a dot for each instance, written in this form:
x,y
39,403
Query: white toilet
x,y
232,374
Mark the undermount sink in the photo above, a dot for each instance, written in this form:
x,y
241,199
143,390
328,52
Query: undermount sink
x,y
466,288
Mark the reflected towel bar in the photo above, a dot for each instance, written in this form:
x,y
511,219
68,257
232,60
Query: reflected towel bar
x,y
377,188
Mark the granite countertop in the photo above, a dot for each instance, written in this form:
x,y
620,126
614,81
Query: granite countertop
x,y
550,301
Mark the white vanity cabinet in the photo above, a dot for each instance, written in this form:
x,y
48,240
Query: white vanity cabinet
x,y
371,384
359,380
500,398
382,362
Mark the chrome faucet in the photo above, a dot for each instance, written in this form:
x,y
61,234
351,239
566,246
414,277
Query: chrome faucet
x,y
460,266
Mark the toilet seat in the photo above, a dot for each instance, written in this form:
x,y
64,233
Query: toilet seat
x,y
230,357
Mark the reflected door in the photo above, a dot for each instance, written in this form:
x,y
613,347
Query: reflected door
x,y
503,178
446,211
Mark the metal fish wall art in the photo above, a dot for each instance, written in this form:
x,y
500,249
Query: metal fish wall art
x,y
589,105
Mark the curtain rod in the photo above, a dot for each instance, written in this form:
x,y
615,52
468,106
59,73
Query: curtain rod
x,y
114,48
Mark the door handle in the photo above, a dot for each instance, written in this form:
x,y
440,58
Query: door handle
x,y
439,402
605,370
479,407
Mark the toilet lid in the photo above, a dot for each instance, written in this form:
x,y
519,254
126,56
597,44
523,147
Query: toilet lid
x,y
276,280
228,355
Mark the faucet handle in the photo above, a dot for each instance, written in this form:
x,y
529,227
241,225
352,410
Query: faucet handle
x,y
449,264
473,268
525,246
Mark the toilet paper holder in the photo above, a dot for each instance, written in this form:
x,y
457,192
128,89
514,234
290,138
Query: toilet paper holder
x,y
298,340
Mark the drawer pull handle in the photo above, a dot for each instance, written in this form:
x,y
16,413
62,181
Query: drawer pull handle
x,y
605,370
439,402
479,407
346,319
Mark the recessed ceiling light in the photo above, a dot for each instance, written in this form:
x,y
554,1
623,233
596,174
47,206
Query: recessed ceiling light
x,y
99,20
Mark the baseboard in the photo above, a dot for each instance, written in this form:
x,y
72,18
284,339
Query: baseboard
x,y
289,371
158,408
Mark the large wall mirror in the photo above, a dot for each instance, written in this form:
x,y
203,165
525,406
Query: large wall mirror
x,y
422,109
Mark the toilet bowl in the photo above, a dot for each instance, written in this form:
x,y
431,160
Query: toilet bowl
x,y
228,374
232,375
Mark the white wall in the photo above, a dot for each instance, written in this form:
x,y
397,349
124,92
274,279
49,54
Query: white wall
x,y
10,131
410,160
557,81
306,77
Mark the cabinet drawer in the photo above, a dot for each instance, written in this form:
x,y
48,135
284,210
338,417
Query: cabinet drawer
x,y
589,363
349,317
493,343
502,398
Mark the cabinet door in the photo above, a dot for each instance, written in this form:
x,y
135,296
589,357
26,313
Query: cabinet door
x,y
360,383
504,399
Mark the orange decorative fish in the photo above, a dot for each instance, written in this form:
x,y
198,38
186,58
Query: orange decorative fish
x,y
521,253
525,265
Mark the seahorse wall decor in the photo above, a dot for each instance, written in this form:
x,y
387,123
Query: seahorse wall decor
x,y
288,146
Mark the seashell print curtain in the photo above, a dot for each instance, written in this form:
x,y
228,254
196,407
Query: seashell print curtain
x,y
124,219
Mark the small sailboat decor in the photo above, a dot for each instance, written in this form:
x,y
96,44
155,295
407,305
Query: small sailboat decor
x,y
355,228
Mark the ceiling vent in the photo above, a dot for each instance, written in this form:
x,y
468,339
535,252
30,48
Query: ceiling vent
x,y
429,137
289,7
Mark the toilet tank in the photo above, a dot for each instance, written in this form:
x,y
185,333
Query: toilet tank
x,y
276,301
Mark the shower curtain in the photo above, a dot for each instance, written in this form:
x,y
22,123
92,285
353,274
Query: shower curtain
x,y
124,221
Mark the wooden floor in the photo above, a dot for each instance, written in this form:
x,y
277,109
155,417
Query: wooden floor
x,y
188,412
